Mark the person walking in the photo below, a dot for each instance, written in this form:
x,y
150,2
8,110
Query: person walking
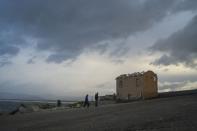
x,y
96,99
86,103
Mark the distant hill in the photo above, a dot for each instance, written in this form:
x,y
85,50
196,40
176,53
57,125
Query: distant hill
x,y
9,96
178,93
17,96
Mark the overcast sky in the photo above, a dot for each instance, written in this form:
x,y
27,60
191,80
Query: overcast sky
x,y
69,48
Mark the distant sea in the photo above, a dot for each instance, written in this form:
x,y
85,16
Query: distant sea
x,y
10,105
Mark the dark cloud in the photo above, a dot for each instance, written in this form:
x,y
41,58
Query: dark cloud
x,y
173,86
4,62
179,48
178,78
9,43
67,27
177,86
59,57
8,50
185,5
31,60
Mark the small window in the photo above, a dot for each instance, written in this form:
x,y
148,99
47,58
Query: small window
x,y
120,84
137,82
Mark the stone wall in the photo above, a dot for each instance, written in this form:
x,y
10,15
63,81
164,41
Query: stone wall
x,y
150,88
136,85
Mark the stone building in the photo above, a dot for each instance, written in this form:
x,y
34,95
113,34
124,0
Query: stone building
x,y
137,86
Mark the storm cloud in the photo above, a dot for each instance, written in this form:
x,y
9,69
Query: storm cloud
x,y
78,47
179,48
4,62
66,28
177,86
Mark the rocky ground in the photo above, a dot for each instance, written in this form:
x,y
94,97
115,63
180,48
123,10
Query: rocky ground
x,y
177,113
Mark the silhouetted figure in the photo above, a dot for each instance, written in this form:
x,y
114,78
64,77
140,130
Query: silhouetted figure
x,y
59,103
114,96
96,99
86,103
129,95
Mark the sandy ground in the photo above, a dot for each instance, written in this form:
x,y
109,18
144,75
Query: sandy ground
x,y
164,114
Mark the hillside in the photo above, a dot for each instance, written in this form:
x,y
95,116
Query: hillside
x,y
167,113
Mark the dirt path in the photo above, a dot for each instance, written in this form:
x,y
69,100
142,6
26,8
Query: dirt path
x,y
164,114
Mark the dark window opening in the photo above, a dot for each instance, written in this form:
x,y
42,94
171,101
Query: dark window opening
x,y
121,84
137,82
